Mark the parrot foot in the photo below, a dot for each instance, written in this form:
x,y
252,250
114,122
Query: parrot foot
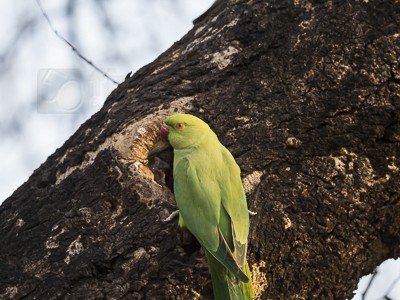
x,y
252,213
171,216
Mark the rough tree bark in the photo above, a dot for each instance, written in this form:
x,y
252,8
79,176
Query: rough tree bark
x,y
306,95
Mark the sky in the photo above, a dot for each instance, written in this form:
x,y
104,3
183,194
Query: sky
x,y
47,92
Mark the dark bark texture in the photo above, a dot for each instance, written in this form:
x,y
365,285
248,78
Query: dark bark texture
x,y
305,94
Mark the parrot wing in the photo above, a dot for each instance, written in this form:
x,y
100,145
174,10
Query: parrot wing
x,y
234,202
199,200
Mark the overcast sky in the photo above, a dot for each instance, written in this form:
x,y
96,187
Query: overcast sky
x,y
46,91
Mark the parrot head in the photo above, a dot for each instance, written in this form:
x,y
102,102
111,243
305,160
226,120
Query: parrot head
x,y
183,130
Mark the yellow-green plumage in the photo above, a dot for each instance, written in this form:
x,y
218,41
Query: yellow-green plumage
x,y
212,203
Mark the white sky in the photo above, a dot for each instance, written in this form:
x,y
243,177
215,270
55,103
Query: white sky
x,y
39,62
36,65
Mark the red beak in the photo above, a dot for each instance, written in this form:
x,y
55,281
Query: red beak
x,y
164,131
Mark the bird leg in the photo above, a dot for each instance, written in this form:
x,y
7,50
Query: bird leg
x,y
171,216
176,212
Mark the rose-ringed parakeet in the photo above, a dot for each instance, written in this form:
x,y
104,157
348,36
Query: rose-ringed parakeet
x,y
211,202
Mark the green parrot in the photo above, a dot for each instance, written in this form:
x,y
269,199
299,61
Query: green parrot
x,y
212,203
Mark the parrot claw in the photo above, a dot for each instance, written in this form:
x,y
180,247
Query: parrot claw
x,y
171,216
252,213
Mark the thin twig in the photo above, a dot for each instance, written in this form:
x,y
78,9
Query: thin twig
x,y
72,46
386,297
363,295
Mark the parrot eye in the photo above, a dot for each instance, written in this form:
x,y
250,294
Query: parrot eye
x,y
179,126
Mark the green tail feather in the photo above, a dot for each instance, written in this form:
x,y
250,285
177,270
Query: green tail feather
x,y
225,285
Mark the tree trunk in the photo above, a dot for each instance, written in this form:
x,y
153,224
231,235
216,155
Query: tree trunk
x,y
306,96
